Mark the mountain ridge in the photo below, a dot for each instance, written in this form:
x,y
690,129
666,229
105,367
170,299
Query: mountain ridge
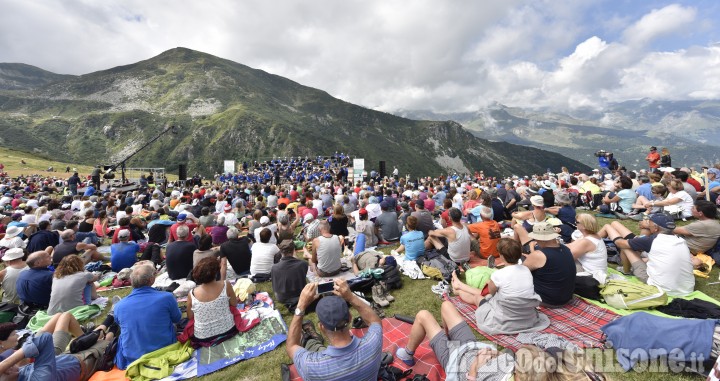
x,y
231,111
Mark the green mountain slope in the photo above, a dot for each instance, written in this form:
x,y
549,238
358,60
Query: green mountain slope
x,y
229,111
17,76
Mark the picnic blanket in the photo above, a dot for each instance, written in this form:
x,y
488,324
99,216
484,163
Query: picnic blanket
x,y
261,339
578,322
694,295
395,335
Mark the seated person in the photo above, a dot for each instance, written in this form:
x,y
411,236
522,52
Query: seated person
x,y
124,253
669,264
43,238
181,222
35,285
509,308
264,254
179,255
487,232
14,265
205,248
589,251
236,251
141,334
412,243
624,198
677,197
701,235
72,286
219,231
265,224
12,238
88,252
552,264
347,357
367,228
453,241
289,276
387,225
326,252
209,305
45,348
530,217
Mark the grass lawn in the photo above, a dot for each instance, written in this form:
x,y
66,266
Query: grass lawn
x,y
414,296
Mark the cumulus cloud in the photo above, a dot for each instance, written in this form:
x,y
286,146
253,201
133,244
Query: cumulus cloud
x,y
390,54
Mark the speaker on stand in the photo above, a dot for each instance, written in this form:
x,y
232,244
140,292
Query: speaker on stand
x,y
383,173
182,173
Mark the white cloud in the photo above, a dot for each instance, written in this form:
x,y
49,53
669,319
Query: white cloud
x,y
389,54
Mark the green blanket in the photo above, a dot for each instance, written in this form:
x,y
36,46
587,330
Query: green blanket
x,y
693,295
81,313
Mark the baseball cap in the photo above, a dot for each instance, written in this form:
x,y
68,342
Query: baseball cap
x,y
308,217
363,212
181,217
264,220
384,204
287,246
653,148
333,313
227,207
125,233
662,220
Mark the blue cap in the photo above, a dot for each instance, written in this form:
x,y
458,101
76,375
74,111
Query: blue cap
x,y
181,217
333,313
662,220
390,261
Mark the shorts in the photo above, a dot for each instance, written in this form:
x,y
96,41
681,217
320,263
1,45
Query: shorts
x,y
61,340
439,343
639,269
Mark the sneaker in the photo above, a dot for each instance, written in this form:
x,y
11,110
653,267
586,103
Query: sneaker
x,y
442,288
638,217
378,310
491,262
386,293
378,297
309,332
621,216
405,357
89,327
622,270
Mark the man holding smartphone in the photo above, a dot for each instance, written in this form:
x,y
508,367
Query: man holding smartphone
x,y
346,357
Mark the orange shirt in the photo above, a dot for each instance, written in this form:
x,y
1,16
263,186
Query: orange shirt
x,y
489,232
653,159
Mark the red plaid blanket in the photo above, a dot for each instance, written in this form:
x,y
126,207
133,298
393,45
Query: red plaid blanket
x,y
395,334
578,321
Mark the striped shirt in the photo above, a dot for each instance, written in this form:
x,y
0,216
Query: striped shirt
x,y
359,360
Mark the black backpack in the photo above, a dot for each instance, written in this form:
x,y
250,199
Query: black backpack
x,y
107,360
587,287
391,277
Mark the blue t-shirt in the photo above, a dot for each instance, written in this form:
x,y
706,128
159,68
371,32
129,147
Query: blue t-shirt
x,y
414,242
123,255
645,190
34,286
147,320
46,365
359,360
627,198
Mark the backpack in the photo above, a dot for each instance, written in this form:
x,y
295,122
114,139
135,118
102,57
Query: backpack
x,y
626,295
587,287
107,360
391,277
435,260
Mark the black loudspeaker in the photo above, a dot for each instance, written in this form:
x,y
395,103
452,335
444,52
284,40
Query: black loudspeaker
x,y
182,172
382,168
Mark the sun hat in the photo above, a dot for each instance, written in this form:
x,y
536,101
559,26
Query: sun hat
x,y
13,231
543,231
537,200
264,220
12,254
547,184
333,313
714,171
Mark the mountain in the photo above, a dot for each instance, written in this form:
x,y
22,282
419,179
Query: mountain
x,y
227,111
689,129
17,76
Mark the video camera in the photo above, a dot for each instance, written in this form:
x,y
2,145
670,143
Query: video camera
x,y
602,153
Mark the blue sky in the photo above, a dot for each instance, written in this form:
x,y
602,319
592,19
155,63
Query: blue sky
x,y
399,54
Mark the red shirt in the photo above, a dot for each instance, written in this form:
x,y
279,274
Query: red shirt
x,y
695,184
173,231
294,195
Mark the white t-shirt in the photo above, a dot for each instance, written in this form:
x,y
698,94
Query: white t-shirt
x,y
595,260
514,281
273,229
230,219
686,202
263,257
669,266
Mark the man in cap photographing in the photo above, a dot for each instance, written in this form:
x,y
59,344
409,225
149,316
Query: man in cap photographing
x,y
347,357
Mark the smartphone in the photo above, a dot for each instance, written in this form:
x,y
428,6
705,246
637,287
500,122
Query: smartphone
x,y
325,288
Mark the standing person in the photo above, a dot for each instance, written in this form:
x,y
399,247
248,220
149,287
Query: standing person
x,y
653,159
95,176
395,173
73,183
665,159
347,357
